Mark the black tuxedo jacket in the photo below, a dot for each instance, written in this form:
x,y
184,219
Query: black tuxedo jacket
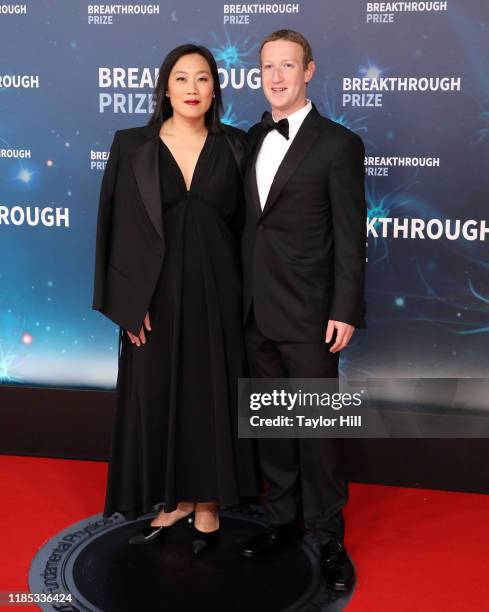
x,y
130,244
304,255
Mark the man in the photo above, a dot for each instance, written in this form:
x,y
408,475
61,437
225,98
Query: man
x,y
304,259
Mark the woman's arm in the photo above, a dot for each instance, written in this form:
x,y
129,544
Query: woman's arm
x,y
104,224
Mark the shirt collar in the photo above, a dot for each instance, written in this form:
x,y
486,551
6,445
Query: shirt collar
x,y
295,119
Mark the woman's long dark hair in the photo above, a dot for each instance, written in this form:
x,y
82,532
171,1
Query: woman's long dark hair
x,y
163,108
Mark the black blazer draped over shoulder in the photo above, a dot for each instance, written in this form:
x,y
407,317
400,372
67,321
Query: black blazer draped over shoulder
x,y
130,243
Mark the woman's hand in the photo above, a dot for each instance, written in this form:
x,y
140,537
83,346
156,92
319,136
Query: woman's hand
x,y
141,339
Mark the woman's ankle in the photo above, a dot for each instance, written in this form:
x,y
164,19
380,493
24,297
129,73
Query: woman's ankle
x,y
182,510
186,507
206,517
211,507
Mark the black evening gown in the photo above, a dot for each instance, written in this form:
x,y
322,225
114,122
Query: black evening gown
x,y
174,434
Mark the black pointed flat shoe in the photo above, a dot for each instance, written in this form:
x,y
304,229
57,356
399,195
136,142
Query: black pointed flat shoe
x,y
149,534
202,540
154,532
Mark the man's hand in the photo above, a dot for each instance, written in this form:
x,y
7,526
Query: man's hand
x,y
141,339
344,332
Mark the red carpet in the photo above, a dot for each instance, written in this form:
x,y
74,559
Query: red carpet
x,y
414,550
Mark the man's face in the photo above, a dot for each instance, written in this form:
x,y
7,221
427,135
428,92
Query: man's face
x,y
284,77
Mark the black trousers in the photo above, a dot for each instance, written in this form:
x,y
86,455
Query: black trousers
x,y
302,474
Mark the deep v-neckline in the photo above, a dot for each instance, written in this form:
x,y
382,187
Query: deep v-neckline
x,y
179,170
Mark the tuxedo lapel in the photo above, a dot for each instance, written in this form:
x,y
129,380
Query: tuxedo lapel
x,y
145,163
303,141
251,184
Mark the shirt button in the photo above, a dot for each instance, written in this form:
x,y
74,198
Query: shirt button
x,y
261,227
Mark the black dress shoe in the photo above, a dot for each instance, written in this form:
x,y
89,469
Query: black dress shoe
x,y
153,532
269,540
202,540
336,566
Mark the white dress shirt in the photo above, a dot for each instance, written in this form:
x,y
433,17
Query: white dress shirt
x,y
273,150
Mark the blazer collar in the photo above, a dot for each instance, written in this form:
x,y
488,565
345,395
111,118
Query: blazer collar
x,y
152,131
250,181
303,141
145,163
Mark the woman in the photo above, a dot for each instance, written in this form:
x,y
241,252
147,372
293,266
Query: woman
x,y
167,272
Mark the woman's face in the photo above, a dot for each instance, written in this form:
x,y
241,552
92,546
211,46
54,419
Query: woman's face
x,y
190,86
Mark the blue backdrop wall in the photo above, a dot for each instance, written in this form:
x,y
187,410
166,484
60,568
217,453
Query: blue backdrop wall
x,y
411,78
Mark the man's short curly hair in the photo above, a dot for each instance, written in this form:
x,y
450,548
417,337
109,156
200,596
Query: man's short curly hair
x,y
292,36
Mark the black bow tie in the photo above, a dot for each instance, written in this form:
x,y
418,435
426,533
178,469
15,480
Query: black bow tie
x,y
269,124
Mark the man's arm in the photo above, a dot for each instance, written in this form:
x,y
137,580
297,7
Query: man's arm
x,y
349,211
